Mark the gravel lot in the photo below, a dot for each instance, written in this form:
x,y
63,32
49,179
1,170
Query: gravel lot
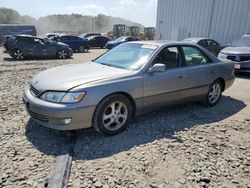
x,y
181,146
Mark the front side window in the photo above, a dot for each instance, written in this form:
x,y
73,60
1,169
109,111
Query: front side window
x,y
194,56
168,56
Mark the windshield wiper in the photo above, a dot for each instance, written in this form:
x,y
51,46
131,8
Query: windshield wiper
x,y
106,64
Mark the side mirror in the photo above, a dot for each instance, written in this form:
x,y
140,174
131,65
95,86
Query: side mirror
x,y
158,67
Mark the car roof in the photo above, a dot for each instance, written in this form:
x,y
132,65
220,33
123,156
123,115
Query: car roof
x,y
162,42
29,36
195,39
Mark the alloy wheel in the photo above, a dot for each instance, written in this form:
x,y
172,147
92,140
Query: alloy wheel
x,y
18,54
115,115
214,93
62,54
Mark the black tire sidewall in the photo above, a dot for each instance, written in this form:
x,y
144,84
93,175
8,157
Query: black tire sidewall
x,y
82,51
97,121
207,102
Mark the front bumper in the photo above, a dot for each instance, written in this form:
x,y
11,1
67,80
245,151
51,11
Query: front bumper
x,y
49,114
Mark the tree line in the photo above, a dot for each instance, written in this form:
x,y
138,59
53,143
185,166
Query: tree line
x,y
75,23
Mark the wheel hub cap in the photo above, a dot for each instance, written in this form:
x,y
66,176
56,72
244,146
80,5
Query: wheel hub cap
x,y
115,115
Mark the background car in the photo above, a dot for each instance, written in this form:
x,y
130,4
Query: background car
x,y
120,40
76,43
239,53
86,35
49,35
23,46
210,44
131,79
98,41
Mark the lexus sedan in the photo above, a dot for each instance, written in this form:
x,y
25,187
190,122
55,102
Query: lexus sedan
x,y
239,53
211,45
120,40
24,46
129,80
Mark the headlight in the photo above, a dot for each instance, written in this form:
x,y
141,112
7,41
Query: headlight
x,y
63,97
222,56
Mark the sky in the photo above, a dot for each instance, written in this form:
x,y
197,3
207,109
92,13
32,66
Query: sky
x,y
140,11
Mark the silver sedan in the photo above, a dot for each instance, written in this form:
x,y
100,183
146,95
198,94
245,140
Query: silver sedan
x,y
129,80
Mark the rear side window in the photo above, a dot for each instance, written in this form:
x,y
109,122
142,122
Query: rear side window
x,y
212,43
194,56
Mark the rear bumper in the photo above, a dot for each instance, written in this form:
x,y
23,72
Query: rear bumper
x,y
52,115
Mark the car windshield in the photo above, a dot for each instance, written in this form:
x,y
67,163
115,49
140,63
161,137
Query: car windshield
x,y
127,56
242,42
120,39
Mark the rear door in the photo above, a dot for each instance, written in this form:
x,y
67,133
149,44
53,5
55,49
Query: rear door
x,y
200,71
161,88
27,45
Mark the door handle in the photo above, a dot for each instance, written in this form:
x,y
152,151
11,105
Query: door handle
x,y
181,76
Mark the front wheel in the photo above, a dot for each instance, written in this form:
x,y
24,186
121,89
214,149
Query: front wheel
x,y
214,94
17,54
112,115
62,54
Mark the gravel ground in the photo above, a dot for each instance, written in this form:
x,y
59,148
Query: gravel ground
x,y
27,151
181,146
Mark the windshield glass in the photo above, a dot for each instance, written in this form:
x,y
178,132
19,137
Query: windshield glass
x,y
127,56
242,42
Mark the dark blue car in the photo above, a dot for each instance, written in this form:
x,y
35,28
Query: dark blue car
x,y
120,40
75,43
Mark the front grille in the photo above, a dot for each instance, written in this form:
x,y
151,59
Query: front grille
x,y
38,116
34,91
241,58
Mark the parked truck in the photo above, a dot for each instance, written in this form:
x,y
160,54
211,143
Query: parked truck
x,y
16,29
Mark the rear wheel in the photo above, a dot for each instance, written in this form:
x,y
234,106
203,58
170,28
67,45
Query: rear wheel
x,y
17,54
62,54
214,94
82,49
112,115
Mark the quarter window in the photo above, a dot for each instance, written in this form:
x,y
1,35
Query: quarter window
x,y
194,56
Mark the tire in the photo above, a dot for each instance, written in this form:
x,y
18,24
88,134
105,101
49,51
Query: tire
x,y
112,115
214,94
17,54
82,49
62,54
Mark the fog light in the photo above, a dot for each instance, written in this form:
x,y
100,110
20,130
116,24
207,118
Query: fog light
x,y
58,121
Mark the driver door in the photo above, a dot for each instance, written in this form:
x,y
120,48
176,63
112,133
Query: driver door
x,y
161,88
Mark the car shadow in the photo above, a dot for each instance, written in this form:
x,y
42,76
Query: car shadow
x,y
142,130
245,76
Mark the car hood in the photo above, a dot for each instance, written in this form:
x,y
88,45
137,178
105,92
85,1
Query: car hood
x,y
237,50
66,77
